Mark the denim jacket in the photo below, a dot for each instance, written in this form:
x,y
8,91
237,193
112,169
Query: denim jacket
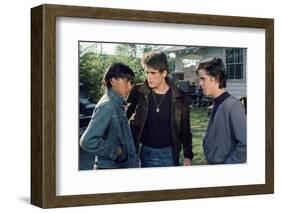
x,y
108,130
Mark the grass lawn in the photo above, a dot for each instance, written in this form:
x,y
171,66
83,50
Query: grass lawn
x,y
199,122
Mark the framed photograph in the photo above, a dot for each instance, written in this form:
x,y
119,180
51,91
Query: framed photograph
x,y
71,47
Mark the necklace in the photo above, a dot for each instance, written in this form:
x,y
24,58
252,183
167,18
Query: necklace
x,y
158,105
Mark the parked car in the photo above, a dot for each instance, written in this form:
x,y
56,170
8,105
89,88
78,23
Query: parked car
x,y
86,108
195,94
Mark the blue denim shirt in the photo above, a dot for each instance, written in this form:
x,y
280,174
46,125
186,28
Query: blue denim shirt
x,y
107,130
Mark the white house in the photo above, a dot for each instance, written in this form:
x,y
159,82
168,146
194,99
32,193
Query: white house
x,y
186,58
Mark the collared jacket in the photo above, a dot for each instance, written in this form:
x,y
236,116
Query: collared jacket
x,y
108,130
225,138
179,119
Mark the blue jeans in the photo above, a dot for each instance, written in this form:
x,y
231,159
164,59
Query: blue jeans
x,y
156,157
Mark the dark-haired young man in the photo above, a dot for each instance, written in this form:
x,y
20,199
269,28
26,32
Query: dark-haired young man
x,y
225,138
108,134
159,116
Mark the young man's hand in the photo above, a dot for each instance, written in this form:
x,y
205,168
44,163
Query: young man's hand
x,y
119,151
186,162
121,154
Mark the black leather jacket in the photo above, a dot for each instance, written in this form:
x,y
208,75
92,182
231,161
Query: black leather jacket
x,y
180,119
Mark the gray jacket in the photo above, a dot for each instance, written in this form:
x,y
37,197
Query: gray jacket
x,y
108,130
225,138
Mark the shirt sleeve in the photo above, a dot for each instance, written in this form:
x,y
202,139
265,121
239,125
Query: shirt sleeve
x,y
94,139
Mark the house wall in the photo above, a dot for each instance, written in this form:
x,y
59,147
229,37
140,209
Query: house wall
x,y
237,88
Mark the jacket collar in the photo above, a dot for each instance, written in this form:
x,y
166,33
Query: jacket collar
x,y
144,89
117,99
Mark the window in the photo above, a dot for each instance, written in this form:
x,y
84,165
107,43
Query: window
x,y
235,63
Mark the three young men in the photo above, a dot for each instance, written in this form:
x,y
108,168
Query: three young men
x,y
159,119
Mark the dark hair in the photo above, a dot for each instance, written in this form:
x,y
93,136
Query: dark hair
x,y
157,60
214,67
117,70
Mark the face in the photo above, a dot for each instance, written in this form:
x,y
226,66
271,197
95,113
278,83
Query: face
x,y
208,83
154,77
121,86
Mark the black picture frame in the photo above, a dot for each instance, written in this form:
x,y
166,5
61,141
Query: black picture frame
x,y
43,105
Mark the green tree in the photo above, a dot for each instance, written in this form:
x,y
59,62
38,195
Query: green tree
x,y
172,63
91,73
94,62
128,54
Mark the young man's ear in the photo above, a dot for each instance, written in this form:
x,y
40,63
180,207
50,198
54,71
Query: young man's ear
x,y
214,79
217,80
165,73
112,81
